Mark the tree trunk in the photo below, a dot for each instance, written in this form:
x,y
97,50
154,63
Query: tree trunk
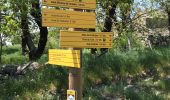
x,y
27,37
169,21
42,41
108,23
0,40
126,19
36,13
1,48
127,22
24,45
34,53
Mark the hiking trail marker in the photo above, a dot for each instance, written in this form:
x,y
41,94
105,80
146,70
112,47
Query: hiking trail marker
x,y
80,4
69,58
63,18
71,95
73,39
81,39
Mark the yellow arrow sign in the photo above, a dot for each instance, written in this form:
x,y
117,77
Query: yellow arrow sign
x,y
85,34
85,45
72,19
70,58
80,4
85,39
77,39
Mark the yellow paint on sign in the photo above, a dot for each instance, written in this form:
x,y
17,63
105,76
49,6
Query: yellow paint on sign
x,y
85,39
70,19
71,95
85,34
85,45
78,39
80,4
70,58
73,65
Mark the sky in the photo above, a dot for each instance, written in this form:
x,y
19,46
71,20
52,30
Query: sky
x,y
145,4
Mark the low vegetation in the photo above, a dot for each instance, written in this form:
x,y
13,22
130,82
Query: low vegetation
x,y
134,75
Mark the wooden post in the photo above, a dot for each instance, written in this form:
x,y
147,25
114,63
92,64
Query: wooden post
x,y
0,40
75,80
75,74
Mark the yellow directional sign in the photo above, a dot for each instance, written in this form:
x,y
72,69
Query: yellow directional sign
x,y
71,95
85,39
78,39
69,19
80,4
85,45
70,58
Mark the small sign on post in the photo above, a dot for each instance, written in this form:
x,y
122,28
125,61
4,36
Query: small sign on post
x,y
71,95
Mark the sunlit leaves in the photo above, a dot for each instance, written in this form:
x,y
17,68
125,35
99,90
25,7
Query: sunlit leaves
x,y
164,4
9,26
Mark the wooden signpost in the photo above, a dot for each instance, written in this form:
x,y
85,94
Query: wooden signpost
x,y
73,19
78,39
80,4
73,39
69,58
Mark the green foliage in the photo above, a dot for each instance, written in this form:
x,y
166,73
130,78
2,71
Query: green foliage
x,y
53,39
105,92
164,85
164,4
135,94
35,84
115,63
120,91
9,26
12,55
121,42
104,77
99,76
